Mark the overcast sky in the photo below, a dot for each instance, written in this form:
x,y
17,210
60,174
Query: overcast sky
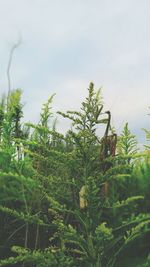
x,y
68,43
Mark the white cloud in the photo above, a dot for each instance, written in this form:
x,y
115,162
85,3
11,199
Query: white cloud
x,y
66,44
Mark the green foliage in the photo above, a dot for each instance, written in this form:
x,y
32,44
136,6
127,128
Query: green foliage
x,y
42,174
83,134
46,258
146,263
127,144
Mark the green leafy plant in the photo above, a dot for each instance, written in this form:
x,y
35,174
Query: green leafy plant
x,y
69,199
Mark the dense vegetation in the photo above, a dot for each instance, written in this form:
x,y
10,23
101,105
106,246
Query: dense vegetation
x,y
77,199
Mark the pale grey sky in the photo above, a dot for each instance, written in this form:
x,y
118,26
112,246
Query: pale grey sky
x,y
66,44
